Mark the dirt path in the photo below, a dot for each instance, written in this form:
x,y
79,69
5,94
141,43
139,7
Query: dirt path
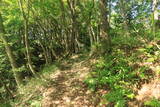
x,y
69,89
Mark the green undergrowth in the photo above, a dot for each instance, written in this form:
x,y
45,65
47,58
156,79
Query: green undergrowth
x,y
152,103
47,69
115,74
30,94
120,72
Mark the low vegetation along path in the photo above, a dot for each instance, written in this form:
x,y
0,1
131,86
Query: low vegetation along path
x,y
69,89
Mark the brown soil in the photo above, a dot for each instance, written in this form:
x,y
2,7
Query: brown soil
x,y
69,89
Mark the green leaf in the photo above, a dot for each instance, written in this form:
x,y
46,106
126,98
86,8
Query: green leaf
x,y
141,49
152,103
131,96
149,46
150,60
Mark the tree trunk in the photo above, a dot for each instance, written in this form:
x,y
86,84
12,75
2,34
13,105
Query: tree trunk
x,y
26,18
74,29
154,16
9,53
104,33
123,12
64,25
44,52
28,48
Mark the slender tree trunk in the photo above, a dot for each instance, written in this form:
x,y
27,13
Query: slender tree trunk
x,y
44,52
63,17
154,17
110,11
9,53
90,29
104,33
28,49
26,19
123,11
74,29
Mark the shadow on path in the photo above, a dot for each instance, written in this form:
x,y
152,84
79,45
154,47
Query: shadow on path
x,y
68,89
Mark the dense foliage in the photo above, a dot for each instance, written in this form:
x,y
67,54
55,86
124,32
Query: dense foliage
x,y
120,34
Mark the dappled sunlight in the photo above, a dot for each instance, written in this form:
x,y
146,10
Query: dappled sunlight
x,y
79,53
69,89
149,91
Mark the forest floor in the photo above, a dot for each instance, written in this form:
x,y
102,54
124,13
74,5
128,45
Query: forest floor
x,y
69,89
65,86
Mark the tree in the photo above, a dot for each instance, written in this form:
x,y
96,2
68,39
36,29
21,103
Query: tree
x,y
10,53
155,16
25,15
74,30
104,34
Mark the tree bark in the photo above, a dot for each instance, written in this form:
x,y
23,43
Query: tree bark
x,y
74,29
44,52
104,33
26,19
123,11
154,17
64,25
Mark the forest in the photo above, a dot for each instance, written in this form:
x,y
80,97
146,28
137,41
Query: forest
x,y
79,53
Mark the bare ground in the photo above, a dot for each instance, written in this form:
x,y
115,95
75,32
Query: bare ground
x,y
69,89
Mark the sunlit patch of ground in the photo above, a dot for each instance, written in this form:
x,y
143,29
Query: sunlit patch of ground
x,y
148,91
69,89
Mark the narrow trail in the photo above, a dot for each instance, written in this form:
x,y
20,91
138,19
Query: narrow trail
x,y
69,89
